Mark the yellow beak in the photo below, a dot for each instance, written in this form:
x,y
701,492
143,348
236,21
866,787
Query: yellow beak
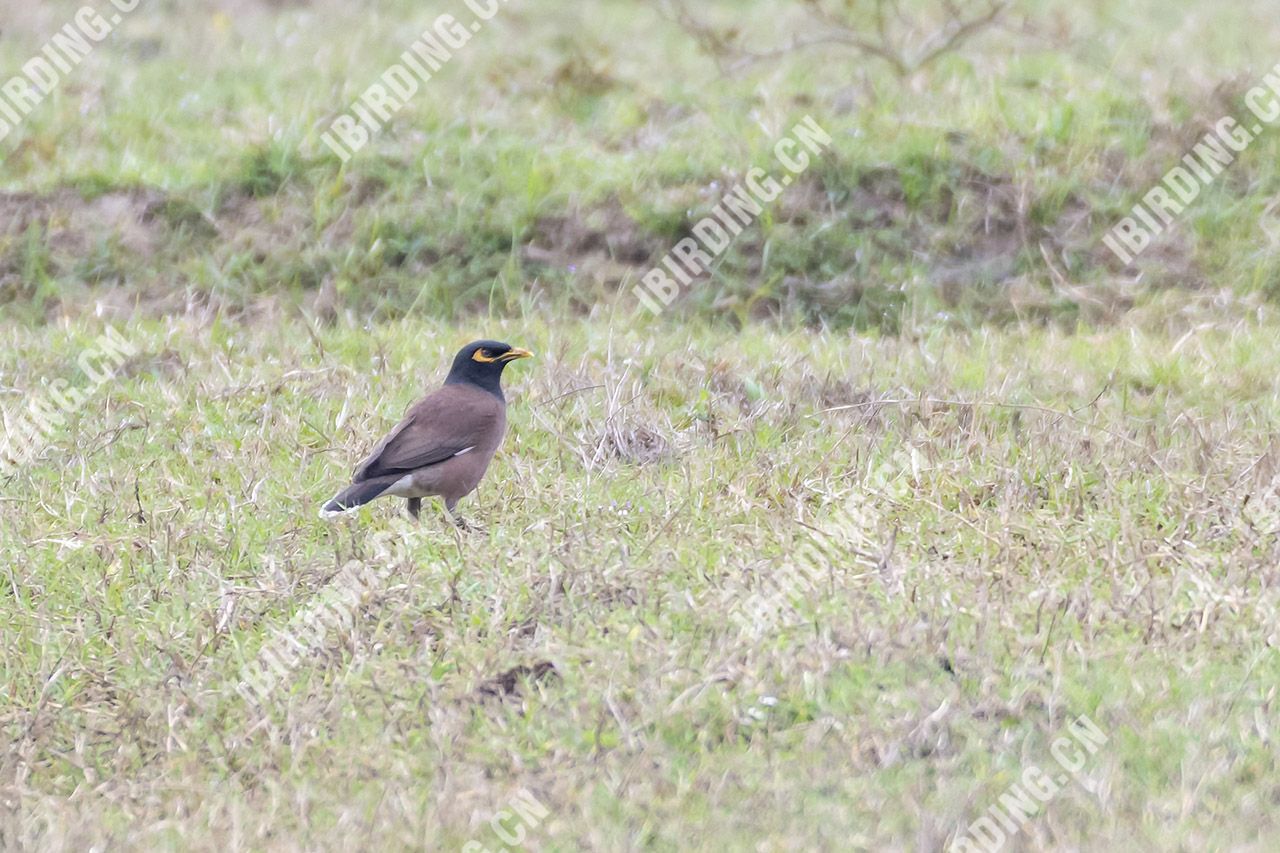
x,y
514,353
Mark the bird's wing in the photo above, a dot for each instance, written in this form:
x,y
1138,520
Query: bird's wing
x,y
448,423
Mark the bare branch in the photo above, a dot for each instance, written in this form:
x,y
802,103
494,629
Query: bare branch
x,y
961,32
885,34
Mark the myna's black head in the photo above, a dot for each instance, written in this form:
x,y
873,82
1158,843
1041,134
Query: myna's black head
x,y
481,363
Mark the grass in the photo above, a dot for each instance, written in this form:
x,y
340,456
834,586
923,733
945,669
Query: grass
x,y
1064,472
1089,528
964,187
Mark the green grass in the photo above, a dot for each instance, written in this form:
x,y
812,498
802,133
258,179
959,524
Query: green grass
x,y
952,186
1064,471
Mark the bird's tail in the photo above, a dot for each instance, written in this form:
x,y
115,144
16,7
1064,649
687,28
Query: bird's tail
x,y
357,494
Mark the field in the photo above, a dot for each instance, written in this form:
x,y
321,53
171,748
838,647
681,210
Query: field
x,y
1041,484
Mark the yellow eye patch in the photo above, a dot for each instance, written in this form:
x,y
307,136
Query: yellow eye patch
x,y
480,356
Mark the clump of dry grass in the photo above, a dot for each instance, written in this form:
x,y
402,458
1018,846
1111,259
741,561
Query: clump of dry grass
x,y
624,435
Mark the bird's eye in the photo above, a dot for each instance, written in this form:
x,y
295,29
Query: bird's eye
x,y
483,356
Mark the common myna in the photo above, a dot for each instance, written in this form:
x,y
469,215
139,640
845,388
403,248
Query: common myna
x,y
444,444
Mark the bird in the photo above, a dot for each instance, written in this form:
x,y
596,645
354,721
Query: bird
x,y
444,445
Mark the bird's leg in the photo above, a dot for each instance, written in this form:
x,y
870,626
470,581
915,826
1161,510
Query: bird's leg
x,y
415,507
467,526
458,521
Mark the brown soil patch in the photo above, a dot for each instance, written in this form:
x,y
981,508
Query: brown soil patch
x,y
603,242
70,225
508,683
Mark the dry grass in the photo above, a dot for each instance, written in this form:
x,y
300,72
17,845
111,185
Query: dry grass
x,y
1088,526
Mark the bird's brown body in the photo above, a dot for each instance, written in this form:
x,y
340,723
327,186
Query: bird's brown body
x,y
427,426
445,443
